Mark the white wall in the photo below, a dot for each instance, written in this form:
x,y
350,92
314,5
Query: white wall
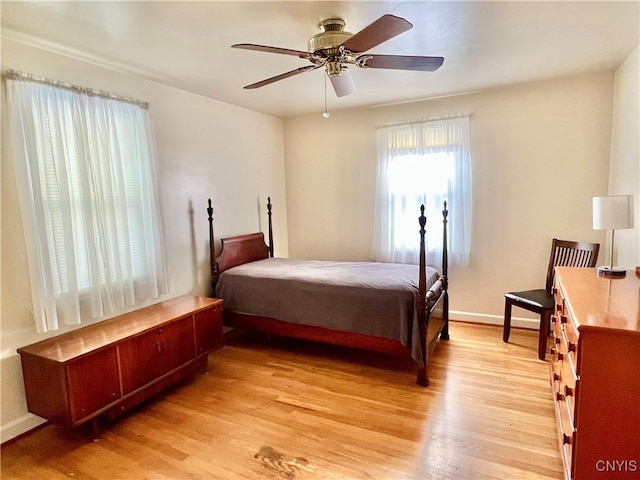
x,y
540,151
624,175
205,148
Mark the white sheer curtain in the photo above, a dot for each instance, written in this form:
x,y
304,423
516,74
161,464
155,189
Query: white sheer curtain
x,y
422,163
85,168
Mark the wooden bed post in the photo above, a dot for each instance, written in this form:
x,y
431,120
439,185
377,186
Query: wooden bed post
x,y
422,377
444,334
215,273
270,227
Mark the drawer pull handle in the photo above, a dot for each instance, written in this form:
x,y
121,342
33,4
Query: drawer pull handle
x,y
568,391
556,377
560,397
571,346
556,340
563,319
566,439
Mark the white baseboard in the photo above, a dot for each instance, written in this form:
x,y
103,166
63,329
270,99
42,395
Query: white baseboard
x,y
20,426
517,322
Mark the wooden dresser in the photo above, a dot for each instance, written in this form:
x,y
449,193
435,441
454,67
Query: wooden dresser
x,y
595,373
110,366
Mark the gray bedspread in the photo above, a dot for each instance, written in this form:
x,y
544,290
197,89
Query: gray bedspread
x,y
378,299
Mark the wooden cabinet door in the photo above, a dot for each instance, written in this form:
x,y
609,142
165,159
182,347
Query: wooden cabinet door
x,y
178,345
208,325
151,355
140,360
93,383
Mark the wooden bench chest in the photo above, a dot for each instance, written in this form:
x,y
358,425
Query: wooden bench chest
x,y
115,364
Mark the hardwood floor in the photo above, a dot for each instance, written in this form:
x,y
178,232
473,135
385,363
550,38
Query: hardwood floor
x,y
284,409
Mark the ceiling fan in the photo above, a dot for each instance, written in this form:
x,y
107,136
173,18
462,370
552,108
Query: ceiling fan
x,y
334,49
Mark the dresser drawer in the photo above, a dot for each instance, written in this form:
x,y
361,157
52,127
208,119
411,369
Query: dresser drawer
x,y
564,377
570,338
556,328
564,416
559,301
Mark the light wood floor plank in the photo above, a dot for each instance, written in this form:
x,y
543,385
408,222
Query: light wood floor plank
x,y
283,409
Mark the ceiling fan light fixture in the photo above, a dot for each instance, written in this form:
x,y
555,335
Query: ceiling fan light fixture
x,y
343,83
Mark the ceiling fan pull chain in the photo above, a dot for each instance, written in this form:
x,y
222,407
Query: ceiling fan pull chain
x,y
326,111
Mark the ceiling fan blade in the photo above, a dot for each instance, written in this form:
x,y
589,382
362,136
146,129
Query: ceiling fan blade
x,y
400,62
265,48
281,76
343,84
383,29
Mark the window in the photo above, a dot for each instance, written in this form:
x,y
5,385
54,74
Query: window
x,y
422,163
85,167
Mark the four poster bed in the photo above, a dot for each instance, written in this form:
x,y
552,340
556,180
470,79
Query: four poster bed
x,y
382,307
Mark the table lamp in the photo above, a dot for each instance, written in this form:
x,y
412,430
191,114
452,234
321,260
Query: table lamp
x,y
612,213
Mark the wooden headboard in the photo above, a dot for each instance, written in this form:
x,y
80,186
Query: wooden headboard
x,y
238,250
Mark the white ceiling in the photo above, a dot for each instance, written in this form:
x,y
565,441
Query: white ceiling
x,y
187,44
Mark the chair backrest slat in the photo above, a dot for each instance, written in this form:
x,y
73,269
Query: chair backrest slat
x,y
566,253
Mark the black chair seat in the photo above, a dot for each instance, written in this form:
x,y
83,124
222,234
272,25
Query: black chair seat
x,y
536,298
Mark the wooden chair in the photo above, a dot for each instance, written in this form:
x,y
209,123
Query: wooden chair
x,y
563,253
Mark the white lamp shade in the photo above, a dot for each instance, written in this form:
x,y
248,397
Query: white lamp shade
x,y
613,213
343,84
